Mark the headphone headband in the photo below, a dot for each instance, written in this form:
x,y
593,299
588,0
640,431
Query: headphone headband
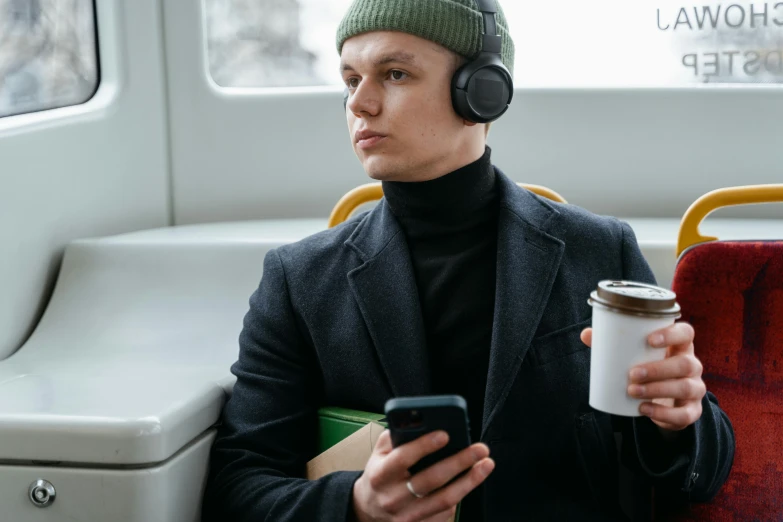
x,y
487,6
492,42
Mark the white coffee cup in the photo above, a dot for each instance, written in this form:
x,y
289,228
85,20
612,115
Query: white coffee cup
x,y
625,313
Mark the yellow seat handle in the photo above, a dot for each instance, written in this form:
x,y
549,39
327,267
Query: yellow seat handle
x,y
374,191
353,200
689,234
543,192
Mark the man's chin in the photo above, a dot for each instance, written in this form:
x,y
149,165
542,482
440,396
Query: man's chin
x,y
381,168
377,169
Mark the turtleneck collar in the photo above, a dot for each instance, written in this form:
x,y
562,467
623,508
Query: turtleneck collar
x,y
455,195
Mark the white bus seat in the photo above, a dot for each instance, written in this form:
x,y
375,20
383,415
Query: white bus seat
x,y
113,397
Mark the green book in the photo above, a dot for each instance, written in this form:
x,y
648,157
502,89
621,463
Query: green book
x,y
335,424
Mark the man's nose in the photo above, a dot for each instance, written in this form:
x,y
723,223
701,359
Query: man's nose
x,y
365,100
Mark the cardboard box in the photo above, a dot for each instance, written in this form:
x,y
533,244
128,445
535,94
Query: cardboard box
x,y
350,454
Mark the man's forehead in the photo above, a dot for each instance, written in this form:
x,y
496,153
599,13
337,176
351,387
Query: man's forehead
x,y
379,48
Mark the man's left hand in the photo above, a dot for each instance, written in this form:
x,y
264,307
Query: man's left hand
x,y
673,386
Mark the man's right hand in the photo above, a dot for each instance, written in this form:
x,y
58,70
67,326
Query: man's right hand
x,y
381,494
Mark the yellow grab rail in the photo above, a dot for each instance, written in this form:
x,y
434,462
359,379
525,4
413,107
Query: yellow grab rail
x,y
353,200
543,192
374,191
689,234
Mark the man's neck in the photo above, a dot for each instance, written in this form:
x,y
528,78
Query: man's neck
x,y
452,196
451,163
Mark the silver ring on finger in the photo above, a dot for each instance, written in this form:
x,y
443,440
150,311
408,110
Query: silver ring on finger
x,y
413,491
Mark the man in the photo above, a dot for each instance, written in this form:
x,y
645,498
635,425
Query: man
x,y
457,282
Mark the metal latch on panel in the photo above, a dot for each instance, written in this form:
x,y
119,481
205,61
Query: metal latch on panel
x,y
42,493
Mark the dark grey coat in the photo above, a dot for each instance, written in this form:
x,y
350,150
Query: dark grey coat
x,y
336,321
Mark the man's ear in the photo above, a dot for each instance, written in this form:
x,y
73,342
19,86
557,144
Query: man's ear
x,y
469,123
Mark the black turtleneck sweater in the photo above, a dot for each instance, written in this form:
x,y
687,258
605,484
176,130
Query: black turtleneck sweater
x,y
451,224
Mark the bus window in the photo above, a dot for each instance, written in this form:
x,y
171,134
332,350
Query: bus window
x,y
48,54
271,43
666,43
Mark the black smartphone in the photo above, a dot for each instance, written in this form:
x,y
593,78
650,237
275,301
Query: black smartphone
x,y
411,417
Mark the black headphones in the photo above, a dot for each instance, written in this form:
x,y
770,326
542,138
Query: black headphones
x,y
481,90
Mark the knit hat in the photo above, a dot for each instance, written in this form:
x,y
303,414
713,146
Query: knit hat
x,y
455,24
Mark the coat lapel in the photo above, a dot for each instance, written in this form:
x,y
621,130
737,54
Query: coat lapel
x,y
527,262
385,289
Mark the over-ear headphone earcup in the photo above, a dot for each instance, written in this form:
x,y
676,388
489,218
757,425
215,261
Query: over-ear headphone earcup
x,y
481,90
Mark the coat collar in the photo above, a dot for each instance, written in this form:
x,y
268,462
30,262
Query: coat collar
x,y
528,257
384,286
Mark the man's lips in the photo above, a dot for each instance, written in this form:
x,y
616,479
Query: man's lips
x,y
366,139
366,134
370,142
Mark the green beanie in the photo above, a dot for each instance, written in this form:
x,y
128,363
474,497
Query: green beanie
x,y
455,24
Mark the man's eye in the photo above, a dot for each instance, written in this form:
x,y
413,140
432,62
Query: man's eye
x,y
352,83
398,75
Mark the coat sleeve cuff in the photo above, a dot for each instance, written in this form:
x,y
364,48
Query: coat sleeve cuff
x,y
661,458
344,481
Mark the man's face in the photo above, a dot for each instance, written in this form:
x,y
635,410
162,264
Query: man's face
x,y
400,118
